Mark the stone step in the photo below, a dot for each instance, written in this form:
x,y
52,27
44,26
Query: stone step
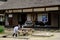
x,y
42,34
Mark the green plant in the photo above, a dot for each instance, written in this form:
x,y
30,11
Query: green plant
x,y
1,29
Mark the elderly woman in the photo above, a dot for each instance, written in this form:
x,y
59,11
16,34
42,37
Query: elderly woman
x,y
16,29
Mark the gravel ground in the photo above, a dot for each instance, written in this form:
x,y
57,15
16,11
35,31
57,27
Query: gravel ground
x,y
56,36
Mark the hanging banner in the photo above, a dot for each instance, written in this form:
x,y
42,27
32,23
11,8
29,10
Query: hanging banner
x,y
10,15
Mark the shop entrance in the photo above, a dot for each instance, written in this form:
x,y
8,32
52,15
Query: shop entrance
x,y
22,18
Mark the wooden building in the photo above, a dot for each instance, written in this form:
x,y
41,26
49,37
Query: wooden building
x,y
19,11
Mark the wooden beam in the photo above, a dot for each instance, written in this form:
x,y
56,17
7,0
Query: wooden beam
x,y
51,8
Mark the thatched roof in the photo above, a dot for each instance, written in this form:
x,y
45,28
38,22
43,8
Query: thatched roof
x,y
1,3
10,4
